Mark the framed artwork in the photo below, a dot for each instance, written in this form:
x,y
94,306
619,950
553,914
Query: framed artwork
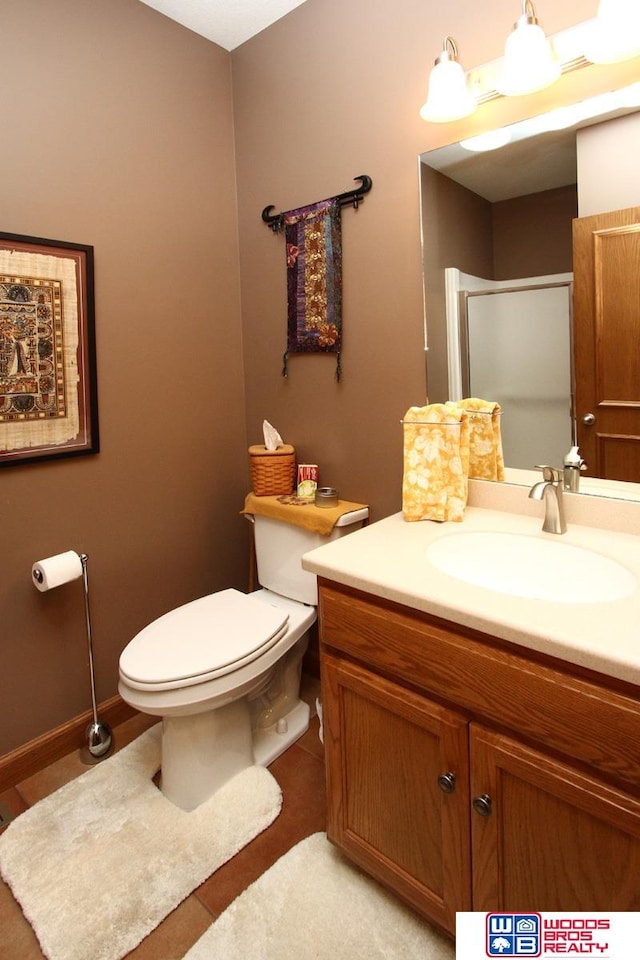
x,y
48,391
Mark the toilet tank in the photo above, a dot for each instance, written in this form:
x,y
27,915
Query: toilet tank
x,y
279,550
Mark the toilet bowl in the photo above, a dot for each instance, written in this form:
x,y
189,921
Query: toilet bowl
x,y
223,672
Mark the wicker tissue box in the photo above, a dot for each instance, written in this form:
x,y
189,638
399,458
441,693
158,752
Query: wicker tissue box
x,y
272,471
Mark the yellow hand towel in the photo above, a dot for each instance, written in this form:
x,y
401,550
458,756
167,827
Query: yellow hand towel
x,y
436,461
485,440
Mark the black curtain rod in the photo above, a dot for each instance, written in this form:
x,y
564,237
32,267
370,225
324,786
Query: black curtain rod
x,y
349,197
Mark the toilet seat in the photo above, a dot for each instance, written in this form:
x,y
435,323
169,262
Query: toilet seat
x,y
201,640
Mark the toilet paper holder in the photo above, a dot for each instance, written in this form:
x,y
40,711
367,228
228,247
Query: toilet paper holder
x,y
98,734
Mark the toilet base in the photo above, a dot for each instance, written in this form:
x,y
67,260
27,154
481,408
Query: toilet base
x,y
200,753
269,743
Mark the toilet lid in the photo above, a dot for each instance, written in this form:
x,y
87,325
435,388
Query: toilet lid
x,y
203,639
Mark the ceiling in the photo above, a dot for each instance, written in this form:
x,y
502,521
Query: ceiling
x,y
227,22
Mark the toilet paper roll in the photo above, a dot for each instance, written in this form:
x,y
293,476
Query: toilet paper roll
x,y
52,572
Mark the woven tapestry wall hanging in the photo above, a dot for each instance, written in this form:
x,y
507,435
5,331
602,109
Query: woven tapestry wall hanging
x,y
313,240
48,403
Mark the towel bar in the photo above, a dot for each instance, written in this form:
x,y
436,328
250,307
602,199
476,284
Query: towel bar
x,y
471,414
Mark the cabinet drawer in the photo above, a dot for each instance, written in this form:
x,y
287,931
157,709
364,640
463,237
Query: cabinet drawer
x,y
579,717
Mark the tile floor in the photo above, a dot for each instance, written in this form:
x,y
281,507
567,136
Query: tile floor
x,y
300,773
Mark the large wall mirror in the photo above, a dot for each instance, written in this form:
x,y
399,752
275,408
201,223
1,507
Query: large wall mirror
x,y
505,291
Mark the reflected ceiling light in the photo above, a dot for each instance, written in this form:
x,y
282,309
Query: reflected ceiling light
x,y
448,97
602,105
629,96
529,63
564,117
492,140
614,35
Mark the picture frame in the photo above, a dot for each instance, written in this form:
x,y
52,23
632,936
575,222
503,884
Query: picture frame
x,y
48,388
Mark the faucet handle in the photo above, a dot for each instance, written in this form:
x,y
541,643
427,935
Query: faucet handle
x,y
549,474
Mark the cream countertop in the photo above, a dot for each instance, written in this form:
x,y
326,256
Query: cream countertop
x,y
388,559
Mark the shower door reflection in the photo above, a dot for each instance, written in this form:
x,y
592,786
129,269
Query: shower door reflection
x,y
516,350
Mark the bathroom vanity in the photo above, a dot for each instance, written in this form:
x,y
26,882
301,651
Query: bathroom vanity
x,y
482,749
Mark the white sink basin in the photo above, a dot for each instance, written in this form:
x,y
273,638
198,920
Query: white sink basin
x,y
529,566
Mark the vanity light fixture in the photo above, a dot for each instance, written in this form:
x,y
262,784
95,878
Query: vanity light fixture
x,y
449,97
614,35
529,62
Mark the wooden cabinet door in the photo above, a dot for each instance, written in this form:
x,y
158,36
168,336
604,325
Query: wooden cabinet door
x,y
386,749
606,319
548,837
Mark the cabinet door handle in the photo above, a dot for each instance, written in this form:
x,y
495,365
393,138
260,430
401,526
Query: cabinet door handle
x,y
482,805
447,782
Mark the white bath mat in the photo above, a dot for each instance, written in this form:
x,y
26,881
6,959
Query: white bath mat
x,y
312,905
99,863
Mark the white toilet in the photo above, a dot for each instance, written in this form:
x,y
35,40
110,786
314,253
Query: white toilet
x,y
223,672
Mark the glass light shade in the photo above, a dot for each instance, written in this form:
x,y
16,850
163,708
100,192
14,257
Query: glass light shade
x,y
614,35
449,97
529,64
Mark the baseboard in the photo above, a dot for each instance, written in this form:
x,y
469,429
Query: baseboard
x,y
51,746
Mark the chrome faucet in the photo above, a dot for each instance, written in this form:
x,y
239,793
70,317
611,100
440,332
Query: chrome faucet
x,y
549,489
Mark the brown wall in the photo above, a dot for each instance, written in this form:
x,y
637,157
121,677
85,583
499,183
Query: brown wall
x,y
532,234
457,227
121,135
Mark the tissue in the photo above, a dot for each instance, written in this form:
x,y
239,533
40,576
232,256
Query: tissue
x,y
272,439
